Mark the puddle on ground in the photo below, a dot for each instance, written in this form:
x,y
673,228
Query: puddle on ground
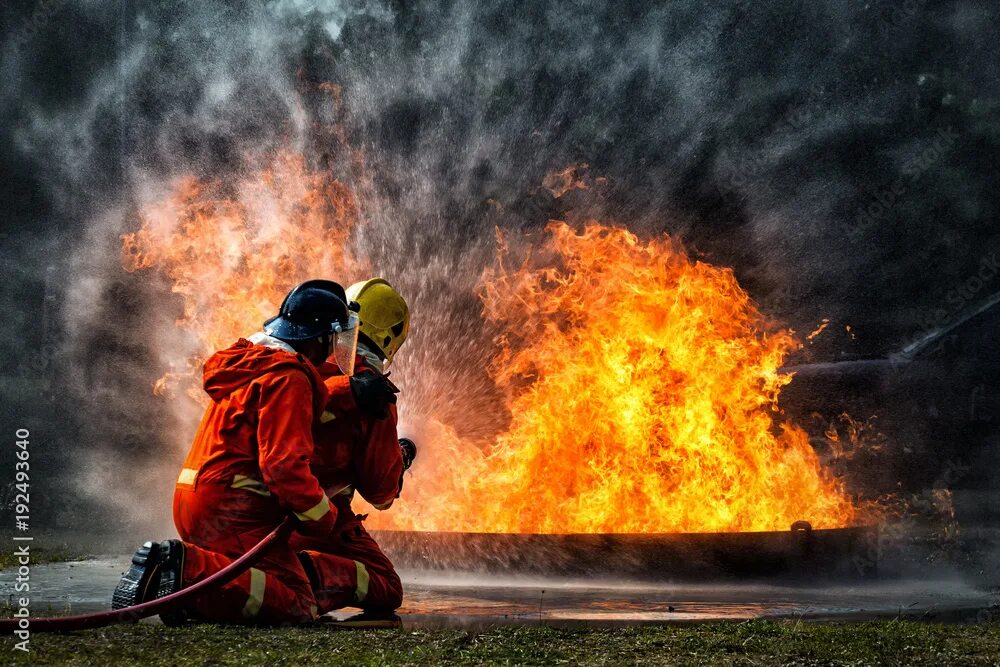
x,y
85,586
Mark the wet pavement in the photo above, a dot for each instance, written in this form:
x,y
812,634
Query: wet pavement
x,y
436,600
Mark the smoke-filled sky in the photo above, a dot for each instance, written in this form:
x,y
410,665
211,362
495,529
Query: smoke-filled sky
x,y
841,157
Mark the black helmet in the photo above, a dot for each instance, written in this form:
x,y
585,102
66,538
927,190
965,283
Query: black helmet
x,y
319,283
312,309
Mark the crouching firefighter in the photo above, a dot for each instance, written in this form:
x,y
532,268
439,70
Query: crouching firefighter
x,y
249,468
358,451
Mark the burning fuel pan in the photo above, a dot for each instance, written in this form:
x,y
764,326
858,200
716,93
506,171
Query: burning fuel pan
x,y
797,553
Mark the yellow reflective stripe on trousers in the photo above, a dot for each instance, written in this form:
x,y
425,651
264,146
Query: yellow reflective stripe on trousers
x,y
327,416
361,592
318,511
187,476
258,582
250,484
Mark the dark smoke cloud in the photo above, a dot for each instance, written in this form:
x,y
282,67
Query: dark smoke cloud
x,y
841,157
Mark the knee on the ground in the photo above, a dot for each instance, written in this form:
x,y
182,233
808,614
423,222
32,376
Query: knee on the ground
x,y
389,597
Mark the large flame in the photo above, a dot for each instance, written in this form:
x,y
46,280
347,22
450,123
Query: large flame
x,y
232,250
641,386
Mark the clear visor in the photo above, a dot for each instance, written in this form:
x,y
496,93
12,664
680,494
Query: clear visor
x,y
345,345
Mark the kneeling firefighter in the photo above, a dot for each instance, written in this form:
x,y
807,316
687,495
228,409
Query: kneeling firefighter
x,y
358,450
249,468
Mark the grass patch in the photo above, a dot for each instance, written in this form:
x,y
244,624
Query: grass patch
x,y
755,642
40,556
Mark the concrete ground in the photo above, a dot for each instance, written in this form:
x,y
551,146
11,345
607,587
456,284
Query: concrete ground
x,y
439,600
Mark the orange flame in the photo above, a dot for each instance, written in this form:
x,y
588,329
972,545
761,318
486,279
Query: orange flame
x,y
570,178
231,251
641,386
641,391
818,330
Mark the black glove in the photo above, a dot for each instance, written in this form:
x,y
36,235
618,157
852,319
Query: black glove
x,y
409,451
373,393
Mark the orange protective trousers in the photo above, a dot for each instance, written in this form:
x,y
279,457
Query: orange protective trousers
x,y
218,525
347,568
343,569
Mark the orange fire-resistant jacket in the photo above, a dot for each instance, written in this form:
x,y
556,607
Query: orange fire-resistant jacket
x,y
354,451
256,434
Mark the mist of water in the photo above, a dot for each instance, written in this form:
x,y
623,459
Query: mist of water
x,y
841,159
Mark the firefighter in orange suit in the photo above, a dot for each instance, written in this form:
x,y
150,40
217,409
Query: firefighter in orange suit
x,y
249,468
358,450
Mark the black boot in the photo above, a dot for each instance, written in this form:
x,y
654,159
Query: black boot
x,y
142,580
171,580
156,571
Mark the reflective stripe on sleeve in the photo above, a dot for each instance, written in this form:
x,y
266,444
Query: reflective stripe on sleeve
x,y
327,416
250,484
316,512
187,476
361,592
258,582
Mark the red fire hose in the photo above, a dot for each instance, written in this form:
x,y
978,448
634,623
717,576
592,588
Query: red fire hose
x,y
153,607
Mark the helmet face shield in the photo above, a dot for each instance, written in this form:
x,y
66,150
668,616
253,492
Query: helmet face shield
x,y
345,344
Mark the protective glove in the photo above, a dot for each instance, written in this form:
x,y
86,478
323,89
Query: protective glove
x,y
373,393
408,449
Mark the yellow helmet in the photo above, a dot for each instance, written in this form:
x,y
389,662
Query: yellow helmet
x,y
385,317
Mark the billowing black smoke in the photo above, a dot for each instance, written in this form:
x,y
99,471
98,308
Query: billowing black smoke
x,y
842,158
